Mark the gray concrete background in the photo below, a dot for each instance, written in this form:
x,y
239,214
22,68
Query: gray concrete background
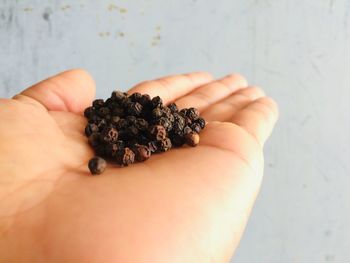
x,y
297,50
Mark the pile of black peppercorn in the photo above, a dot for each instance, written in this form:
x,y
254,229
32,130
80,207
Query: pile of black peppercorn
x,y
129,128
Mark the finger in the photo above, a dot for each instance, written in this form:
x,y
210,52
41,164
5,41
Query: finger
x,y
223,135
206,95
258,118
224,109
172,87
71,91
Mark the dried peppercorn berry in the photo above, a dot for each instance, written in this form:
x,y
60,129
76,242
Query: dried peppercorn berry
x,y
142,153
187,130
94,118
152,146
115,120
165,122
135,109
141,124
94,139
101,124
97,165
201,122
122,124
118,112
157,102
109,135
130,128
125,157
118,95
196,127
192,113
192,139
164,145
145,100
89,111
177,140
173,107
135,97
157,132
157,113
90,129
98,103
100,150
112,149
103,111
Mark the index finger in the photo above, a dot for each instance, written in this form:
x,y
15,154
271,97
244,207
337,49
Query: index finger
x,y
72,91
172,87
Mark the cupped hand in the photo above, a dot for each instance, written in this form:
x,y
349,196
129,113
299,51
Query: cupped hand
x,y
185,205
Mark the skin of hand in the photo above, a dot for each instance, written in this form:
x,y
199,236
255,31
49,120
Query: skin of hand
x,y
186,205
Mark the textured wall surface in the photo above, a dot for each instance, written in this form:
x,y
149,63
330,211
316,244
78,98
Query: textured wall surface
x,y
299,51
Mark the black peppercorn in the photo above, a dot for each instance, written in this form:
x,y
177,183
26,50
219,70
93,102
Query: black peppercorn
x,y
94,139
192,139
164,145
94,118
142,139
89,111
192,113
157,102
122,124
90,129
145,100
118,112
131,120
188,121
132,132
201,122
126,103
173,107
98,103
135,97
110,103
187,130
142,153
141,124
153,146
165,122
101,124
157,132
97,165
196,127
115,119
168,114
100,150
183,112
109,135
118,95
177,140
111,150
180,120
157,113
125,157
177,127
103,111
135,109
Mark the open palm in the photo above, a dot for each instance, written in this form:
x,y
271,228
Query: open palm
x,y
186,205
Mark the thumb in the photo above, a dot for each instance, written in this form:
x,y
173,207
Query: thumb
x,y
72,91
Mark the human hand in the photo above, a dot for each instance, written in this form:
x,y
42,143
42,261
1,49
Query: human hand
x,y
186,205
